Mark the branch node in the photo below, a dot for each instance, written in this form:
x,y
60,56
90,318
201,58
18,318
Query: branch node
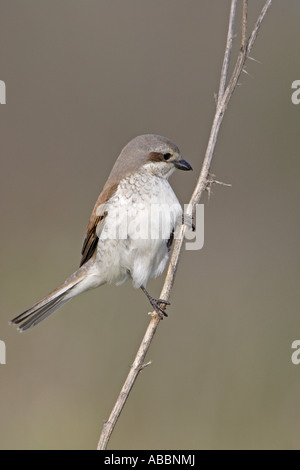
x,y
210,181
155,315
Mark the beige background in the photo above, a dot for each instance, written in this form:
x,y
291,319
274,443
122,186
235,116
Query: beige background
x,y
83,78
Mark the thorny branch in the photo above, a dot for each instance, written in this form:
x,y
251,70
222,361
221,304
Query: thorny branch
x,y
224,95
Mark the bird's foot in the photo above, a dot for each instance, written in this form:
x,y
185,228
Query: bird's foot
x,y
157,305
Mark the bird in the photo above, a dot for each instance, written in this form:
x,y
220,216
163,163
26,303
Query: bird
x,y
131,228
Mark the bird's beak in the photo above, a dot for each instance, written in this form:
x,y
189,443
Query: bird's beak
x,y
183,165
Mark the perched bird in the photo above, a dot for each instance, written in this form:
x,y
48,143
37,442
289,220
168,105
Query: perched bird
x,y
130,230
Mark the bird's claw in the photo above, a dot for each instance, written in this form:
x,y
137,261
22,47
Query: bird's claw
x,y
161,312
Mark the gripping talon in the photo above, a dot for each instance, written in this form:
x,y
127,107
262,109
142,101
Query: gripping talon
x,y
161,312
162,301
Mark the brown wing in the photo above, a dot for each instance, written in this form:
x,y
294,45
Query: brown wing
x,y
99,213
91,240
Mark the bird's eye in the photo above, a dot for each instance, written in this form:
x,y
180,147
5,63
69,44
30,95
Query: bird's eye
x,y
167,156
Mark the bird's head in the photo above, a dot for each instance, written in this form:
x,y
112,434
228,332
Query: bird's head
x,y
154,153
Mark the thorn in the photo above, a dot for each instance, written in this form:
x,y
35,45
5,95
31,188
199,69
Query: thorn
x,y
221,183
145,365
247,73
255,60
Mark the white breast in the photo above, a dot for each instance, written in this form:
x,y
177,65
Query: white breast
x,y
141,216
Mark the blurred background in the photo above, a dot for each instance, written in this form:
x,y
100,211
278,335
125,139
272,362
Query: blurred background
x,y
82,79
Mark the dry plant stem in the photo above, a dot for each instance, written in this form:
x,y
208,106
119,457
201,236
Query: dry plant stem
x,y
228,48
222,102
244,24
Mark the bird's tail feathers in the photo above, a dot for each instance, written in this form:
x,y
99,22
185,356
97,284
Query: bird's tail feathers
x,y
50,303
